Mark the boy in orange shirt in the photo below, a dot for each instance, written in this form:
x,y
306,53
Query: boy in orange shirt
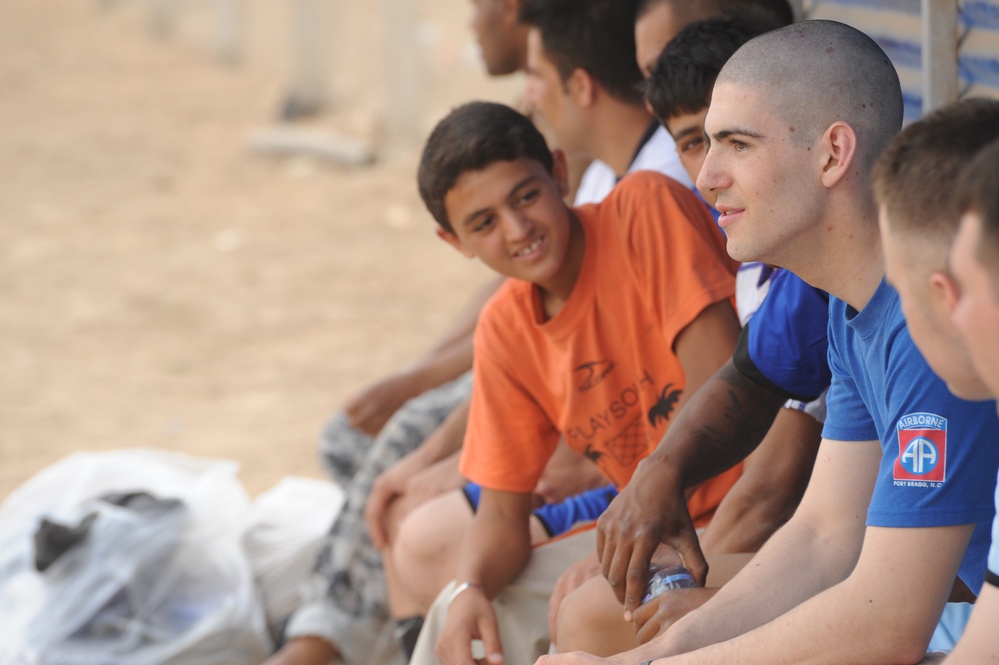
x,y
616,313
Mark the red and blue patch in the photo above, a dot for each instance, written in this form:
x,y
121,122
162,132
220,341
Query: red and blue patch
x,y
922,448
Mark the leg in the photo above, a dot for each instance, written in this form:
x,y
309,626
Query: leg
x,y
591,619
342,448
522,608
344,600
425,552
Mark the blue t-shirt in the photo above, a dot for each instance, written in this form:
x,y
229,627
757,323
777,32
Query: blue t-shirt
x,y
938,452
784,345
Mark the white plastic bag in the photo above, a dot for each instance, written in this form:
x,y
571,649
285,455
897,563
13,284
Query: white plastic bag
x,y
287,526
170,589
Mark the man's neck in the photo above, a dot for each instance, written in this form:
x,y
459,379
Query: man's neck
x,y
618,128
845,258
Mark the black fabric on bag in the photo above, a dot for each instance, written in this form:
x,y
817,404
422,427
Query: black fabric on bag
x,y
52,539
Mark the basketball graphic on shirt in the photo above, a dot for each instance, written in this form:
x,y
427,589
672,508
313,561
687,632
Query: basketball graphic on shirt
x,y
630,444
922,448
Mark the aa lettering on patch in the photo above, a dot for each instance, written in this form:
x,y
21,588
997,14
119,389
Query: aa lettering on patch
x,y
922,450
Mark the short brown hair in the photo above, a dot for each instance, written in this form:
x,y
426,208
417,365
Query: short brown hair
x,y
470,138
915,178
977,192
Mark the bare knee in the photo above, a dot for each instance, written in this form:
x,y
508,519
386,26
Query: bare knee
x,y
426,547
591,620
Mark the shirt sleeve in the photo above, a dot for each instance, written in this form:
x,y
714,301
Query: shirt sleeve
x,y
847,417
784,346
677,253
938,466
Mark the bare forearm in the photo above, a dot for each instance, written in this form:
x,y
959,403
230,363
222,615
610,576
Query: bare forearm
x,y
773,481
464,324
440,366
742,527
979,644
851,622
494,552
720,426
794,565
447,440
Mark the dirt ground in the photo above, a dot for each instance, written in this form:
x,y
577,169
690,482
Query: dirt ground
x,y
161,284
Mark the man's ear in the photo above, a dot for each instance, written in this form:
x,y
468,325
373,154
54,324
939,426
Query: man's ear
x,y
453,240
838,152
581,88
947,289
560,171
510,10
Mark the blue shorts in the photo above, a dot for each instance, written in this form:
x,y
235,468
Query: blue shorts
x,y
557,518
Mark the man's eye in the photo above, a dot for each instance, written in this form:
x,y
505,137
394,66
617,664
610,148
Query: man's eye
x,y
692,144
739,146
485,223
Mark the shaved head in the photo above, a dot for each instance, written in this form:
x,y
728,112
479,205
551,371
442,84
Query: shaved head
x,y
820,72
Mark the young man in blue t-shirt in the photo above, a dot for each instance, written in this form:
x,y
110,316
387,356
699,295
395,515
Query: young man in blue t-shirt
x,y
900,499
919,215
974,263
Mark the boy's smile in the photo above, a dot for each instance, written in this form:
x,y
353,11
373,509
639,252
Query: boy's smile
x,y
511,216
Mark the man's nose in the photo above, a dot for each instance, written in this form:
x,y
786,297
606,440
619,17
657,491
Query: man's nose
x,y
709,178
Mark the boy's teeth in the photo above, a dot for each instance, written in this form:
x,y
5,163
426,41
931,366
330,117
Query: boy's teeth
x,y
530,248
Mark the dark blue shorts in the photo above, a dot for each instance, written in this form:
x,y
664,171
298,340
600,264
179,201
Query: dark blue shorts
x,y
557,518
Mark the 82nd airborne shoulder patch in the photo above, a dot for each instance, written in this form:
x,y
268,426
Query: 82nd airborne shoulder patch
x,y
922,450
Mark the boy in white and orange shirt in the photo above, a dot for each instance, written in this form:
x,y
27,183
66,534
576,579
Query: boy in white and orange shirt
x,y
615,313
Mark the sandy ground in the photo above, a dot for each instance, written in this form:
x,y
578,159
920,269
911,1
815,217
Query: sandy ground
x,y
162,285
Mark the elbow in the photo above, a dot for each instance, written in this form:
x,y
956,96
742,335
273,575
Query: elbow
x,y
902,640
900,649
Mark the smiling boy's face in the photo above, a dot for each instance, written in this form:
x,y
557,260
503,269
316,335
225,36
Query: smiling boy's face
x,y
512,217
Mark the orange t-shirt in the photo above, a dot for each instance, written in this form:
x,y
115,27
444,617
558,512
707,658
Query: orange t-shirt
x,y
602,372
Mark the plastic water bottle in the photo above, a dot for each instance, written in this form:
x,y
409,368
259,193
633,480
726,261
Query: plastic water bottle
x,y
664,578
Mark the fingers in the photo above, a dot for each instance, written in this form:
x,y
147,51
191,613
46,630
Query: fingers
x,y
689,549
553,604
374,514
636,575
603,542
647,621
364,419
648,632
489,631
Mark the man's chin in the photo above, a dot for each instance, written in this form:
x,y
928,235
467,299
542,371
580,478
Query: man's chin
x,y
741,253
